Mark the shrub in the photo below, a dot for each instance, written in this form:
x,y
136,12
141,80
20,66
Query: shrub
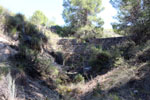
x,y
63,31
58,81
63,77
87,32
10,23
52,70
100,59
30,29
45,67
64,90
79,78
144,56
118,61
31,39
31,42
14,22
114,97
4,70
128,49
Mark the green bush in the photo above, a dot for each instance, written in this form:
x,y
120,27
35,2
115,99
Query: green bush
x,y
79,78
100,59
45,67
58,81
118,61
30,29
14,22
114,97
30,39
4,70
10,23
62,31
52,70
87,32
128,50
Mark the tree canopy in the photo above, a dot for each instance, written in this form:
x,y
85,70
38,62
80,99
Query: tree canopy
x,y
133,17
39,18
82,16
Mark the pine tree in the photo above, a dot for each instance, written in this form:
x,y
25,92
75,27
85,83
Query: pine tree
x,y
133,18
39,18
82,16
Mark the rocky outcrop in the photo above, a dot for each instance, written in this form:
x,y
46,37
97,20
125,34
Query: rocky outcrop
x,y
24,88
5,48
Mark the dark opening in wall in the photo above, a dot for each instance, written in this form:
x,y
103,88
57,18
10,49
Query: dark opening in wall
x,y
58,56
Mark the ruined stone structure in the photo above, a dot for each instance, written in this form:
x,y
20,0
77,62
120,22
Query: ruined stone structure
x,y
69,45
77,51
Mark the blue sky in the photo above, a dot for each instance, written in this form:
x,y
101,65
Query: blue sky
x,y
52,9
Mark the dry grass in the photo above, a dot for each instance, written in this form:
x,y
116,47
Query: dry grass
x,y
114,78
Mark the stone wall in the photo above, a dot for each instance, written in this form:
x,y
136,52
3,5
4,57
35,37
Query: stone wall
x,y
77,51
113,40
70,45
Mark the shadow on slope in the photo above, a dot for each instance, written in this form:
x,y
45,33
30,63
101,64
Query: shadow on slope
x,y
136,88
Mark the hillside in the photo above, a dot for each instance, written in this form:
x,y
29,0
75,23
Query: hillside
x,y
128,81
25,87
78,61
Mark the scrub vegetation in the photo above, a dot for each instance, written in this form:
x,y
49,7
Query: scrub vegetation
x,y
69,61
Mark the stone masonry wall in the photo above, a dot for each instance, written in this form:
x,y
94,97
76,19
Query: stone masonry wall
x,y
76,51
74,45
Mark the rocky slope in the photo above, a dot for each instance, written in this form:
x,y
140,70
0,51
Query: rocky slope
x,y
14,84
129,81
